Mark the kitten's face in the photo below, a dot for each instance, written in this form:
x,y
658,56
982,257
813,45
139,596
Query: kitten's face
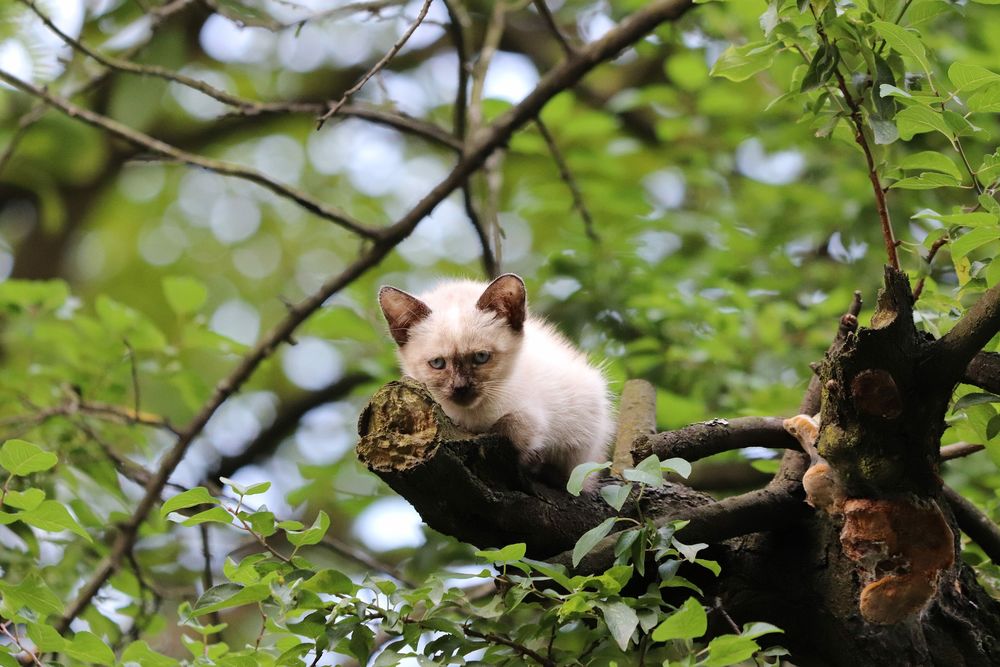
x,y
460,340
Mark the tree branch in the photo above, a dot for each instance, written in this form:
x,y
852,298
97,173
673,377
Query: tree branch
x,y
984,371
954,352
848,324
218,166
550,21
712,437
974,523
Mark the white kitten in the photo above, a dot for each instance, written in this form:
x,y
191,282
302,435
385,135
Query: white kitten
x,y
492,367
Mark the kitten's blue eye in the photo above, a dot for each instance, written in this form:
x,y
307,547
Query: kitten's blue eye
x,y
437,363
481,357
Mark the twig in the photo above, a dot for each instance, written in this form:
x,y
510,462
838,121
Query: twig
x,y
377,67
568,178
521,649
958,450
550,21
930,258
207,580
459,23
563,76
218,166
974,523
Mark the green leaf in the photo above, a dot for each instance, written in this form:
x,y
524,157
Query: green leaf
x,y
32,593
689,551
199,495
689,622
616,494
184,294
928,180
739,63
88,647
22,458
885,107
919,119
970,77
330,582
985,100
139,652
312,535
676,465
902,41
647,472
590,539
257,489
975,398
822,67
52,516
933,161
621,620
730,650
993,427
213,515
225,596
45,637
758,629
974,219
509,554
968,242
580,474
28,499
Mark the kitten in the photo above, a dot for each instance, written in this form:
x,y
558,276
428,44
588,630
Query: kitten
x,y
493,367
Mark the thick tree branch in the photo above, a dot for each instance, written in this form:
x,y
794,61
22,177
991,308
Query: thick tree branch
x,y
956,350
974,523
712,437
218,166
984,371
565,75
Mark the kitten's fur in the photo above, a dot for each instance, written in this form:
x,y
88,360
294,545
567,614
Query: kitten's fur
x,y
535,387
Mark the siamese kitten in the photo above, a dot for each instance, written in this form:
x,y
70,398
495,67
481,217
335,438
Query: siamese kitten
x,y
493,367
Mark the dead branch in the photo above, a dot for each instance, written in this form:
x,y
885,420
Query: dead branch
x,y
712,437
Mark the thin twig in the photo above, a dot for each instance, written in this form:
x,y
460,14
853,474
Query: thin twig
x,y
567,176
377,67
459,23
521,649
859,136
207,580
168,150
930,258
550,21
560,78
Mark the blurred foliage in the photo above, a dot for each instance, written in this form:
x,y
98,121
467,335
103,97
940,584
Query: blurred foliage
x,y
735,216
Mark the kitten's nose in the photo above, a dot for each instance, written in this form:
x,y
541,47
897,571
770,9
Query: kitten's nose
x,y
463,393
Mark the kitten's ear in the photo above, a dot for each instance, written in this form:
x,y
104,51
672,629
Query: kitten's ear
x,y
401,311
506,297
